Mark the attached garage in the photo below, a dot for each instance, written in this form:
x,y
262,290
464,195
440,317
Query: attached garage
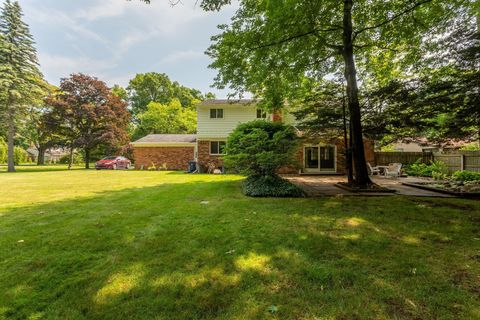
x,y
170,151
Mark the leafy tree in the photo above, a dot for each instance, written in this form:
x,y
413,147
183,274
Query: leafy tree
x,y
166,118
87,114
320,109
321,112
120,92
257,149
34,129
3,150
18,70
442,101
270,46
157,87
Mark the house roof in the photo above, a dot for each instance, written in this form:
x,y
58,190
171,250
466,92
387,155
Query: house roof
x,y
211,102
171,140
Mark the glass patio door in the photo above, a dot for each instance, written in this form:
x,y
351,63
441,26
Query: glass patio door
x,y
319,158
327,158
311,159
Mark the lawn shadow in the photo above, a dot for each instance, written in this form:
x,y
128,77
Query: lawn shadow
x,y
34,168
202,250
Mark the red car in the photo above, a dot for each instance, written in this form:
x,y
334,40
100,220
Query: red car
x,y
113,163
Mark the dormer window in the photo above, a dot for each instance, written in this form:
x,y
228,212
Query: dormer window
x,y
261,114
216,113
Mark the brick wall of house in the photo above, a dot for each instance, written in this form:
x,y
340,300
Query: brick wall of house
x,y
175,158
204,156
369,154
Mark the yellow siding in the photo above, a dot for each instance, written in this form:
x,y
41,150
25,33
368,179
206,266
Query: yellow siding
x,y
221,128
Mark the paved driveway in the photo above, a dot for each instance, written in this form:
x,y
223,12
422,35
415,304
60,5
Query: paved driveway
x,y
316,186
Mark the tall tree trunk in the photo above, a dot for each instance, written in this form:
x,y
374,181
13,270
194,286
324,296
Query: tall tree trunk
x,y
87,158
41,155
10,139
362,178
70,158
346,141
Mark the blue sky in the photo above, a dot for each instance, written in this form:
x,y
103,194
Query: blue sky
x,y
115,39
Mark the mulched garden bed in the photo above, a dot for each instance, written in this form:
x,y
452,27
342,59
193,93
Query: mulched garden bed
x,y
459,189
373,188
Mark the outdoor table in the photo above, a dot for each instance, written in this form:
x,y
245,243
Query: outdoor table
x,y
382,169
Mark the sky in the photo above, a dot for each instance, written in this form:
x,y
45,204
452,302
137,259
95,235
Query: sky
x,y
116,39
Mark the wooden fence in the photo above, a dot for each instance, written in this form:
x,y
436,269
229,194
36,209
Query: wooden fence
x,y
384,158
455,161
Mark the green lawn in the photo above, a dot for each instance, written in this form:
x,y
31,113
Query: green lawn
x,y
141,245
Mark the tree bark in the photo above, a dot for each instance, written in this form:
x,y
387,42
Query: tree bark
x,y
70,158
10,139
346,140
362,178
87,158
41,155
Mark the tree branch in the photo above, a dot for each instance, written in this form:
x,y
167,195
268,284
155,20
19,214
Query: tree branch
x,y
373,45
394,17
300,35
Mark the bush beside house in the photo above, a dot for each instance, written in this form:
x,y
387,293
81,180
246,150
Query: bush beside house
x,y
19,154
258,149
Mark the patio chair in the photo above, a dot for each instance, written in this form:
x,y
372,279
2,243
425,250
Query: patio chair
x,y
373,170
393,170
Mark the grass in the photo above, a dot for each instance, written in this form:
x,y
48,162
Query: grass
x,y
87,244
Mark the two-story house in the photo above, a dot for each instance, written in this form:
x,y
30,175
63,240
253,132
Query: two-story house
x,y
216,119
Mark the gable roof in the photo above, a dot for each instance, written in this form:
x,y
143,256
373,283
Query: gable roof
x,y
212,102
166,139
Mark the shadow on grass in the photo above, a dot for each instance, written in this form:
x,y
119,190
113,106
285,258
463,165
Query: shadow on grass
x,y
35,168
201,250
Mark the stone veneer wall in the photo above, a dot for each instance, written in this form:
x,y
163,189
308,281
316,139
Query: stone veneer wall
x,y
175,158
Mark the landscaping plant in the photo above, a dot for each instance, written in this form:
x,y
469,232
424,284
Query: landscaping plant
x,y
466,176
437,168
3,151
19,155
258,149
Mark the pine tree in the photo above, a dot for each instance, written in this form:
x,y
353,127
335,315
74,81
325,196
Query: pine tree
x,y
18,69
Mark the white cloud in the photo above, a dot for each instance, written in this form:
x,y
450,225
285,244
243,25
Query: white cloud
x,y
181,56
105,9
114,39
62,66
64,23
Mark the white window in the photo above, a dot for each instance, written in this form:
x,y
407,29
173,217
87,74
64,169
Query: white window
x,y
217,147
261,114
216,113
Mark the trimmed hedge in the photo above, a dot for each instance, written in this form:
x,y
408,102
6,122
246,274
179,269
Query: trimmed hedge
x,y
271,186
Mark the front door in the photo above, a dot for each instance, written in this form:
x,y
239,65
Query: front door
x,y
319,158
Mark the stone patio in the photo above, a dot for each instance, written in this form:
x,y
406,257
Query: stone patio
x,y
318,186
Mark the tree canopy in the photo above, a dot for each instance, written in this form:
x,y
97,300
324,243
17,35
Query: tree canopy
x,y
157,87
166,118
19,72
87,114
269,47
